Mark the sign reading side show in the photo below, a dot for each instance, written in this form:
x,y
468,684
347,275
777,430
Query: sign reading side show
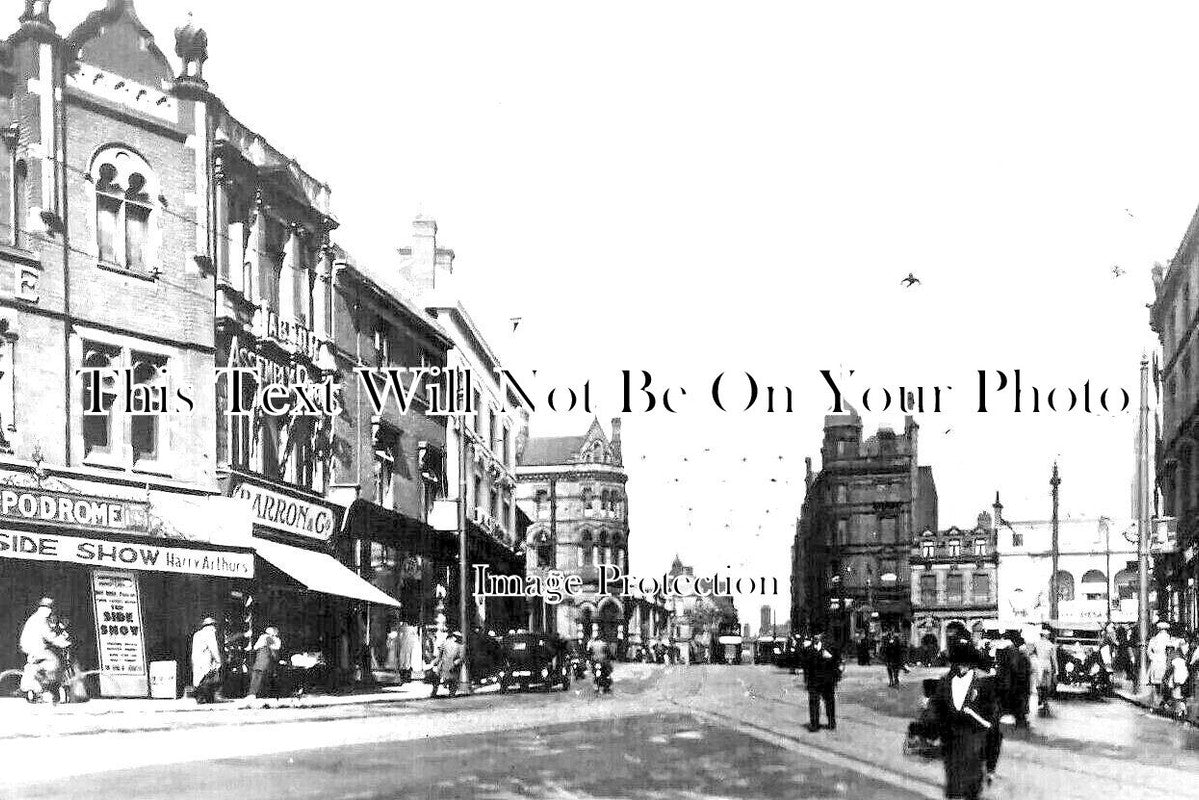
x,y
120,640
124,555
288,514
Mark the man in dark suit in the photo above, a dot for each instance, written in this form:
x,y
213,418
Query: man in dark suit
x,y
963,710
822,670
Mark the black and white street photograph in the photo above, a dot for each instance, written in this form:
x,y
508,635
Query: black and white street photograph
x,y
572,401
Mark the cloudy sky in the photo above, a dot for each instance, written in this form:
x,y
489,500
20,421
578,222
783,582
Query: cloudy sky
x,y
691,188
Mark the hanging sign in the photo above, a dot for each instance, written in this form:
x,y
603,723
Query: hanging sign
x,y
120,638
285,513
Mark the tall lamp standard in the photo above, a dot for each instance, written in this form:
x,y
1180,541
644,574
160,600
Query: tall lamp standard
x,y
463,617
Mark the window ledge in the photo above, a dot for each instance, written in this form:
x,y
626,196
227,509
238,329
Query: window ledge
x,y
150,276
103,462
151,469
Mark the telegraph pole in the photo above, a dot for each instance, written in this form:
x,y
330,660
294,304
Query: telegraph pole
x,y
1054,482
1144,510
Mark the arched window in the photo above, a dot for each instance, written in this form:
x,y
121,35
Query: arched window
x,y
125,204
605,500
1064,584
586,550
842,494
1094,584
1126,584
605,550
588,500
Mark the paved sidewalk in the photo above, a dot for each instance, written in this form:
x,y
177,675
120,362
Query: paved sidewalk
x,y
19,719
1148,700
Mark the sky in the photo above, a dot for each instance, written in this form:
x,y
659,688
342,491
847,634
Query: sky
x,y
697,188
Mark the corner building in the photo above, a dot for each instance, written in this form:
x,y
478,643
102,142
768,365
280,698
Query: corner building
x,y
105,265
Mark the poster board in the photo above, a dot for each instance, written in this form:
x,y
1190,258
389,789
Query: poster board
x,y
120,638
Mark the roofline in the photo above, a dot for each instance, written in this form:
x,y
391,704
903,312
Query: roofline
x,y
396,302
476,335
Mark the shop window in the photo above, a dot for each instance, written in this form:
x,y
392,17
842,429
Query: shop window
x,y
1064,584
125,205
928,589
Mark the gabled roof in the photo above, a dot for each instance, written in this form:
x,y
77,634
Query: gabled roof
x,y
551,450
559,450
98,21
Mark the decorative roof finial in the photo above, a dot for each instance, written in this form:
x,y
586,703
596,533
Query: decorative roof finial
x,y
191,45
37,15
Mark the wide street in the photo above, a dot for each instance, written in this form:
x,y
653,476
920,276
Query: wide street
x,y
666,732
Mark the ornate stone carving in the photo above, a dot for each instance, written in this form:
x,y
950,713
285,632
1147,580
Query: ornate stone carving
x,y
191,45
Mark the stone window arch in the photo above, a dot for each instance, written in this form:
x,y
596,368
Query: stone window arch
x,y
126,209
1064,584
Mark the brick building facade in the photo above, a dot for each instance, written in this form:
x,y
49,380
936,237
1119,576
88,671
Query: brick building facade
x,y
953,579
850,556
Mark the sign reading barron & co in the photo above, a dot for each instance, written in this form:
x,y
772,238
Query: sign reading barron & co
x,y
289,514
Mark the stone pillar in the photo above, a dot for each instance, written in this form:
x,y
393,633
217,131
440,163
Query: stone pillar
x,y
226,246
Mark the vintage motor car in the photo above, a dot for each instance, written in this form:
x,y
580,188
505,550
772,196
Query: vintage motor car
x,y
1077,652
534,659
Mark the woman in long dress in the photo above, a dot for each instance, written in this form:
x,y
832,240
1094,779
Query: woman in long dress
x,y
963,709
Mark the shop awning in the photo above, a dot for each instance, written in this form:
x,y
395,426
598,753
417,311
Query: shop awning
x,y
321,573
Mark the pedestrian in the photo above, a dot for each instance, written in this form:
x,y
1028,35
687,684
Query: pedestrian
x,y
447,665
821,674
1157,658
1173,683
893,657
963,710
206,662
38,641
266,663
1043,658
599,653
863,648
1020,681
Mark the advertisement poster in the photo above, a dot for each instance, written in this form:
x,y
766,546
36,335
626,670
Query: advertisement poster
x,y
120,640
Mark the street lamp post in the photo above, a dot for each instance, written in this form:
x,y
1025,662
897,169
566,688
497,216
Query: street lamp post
x,y
1143,522
463,618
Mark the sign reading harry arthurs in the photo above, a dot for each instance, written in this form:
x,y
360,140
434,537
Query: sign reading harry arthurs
x,y
289,514
143,555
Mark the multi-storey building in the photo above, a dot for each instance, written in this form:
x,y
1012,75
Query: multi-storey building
x,y
150,240
574,490
953,580
388,459
488,439
850,572
1173,318
106,301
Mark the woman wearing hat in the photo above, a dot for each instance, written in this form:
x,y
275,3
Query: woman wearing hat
x,y
206,662
963,707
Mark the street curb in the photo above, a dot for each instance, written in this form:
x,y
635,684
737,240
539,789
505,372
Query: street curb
x,y
1132,699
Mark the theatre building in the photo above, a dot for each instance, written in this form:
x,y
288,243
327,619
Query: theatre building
x,y
106,294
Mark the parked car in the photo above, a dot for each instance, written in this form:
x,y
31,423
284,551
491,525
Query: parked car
x,y
534,659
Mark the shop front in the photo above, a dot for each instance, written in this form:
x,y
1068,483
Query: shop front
x,y
131,579
306,583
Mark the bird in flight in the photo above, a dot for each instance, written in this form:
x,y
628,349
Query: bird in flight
x,y
515,322
1117,271
910,281
1130,214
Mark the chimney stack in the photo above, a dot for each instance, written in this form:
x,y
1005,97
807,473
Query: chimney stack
x,y
428,266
